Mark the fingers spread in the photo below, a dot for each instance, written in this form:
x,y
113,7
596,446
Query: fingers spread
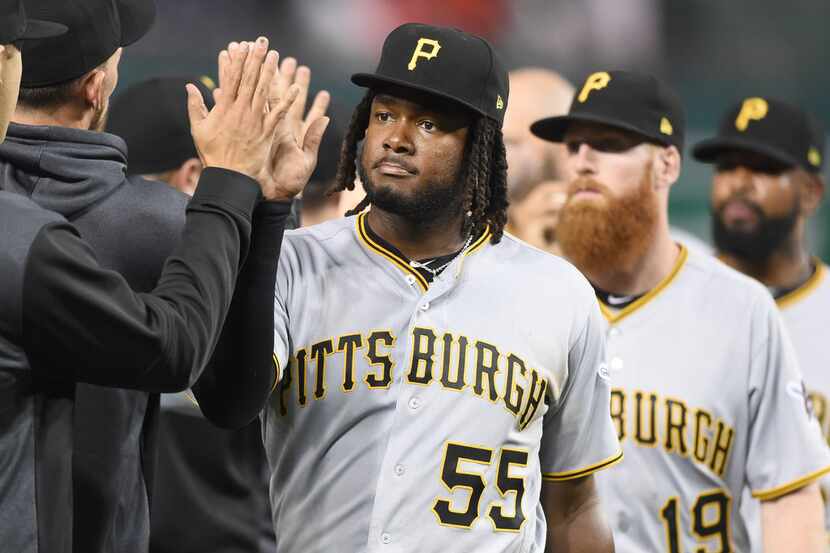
x,y
237,53
266,76
251,70
196,109
278,112
302,79
315,136
318,110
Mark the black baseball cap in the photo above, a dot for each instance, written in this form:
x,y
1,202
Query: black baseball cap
x,y
626,100
97,28
443,61
152,118
771,128
14,25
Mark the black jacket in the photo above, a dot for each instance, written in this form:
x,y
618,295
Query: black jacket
x,y
64,319
132,225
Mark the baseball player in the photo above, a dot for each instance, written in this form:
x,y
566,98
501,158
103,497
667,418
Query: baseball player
x,y
767,184
437,393
707,397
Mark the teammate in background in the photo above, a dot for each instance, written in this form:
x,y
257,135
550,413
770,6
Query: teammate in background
x,y
58,302
416,411
768,157
201,469
536,190
707,396
151,118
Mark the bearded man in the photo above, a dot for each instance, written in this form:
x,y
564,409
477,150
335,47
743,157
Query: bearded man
x,y
707,396
768,158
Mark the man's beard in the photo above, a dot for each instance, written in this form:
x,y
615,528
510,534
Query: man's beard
x,y
434,201
608,237
757,244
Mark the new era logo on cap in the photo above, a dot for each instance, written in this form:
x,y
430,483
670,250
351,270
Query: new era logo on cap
x,y
445,62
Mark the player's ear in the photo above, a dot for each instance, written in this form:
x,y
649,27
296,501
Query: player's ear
x,y
811,188
667,163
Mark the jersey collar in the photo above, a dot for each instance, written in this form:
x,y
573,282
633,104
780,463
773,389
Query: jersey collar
x,y
614,317
805,289
398,260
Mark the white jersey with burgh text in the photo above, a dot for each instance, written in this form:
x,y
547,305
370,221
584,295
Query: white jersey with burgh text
x,y
806,314
708,401
415,416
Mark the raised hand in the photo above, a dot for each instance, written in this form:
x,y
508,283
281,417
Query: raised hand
x,y
238,134
297,139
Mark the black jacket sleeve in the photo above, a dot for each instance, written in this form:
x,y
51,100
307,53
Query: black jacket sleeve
x,y
85,324
240,376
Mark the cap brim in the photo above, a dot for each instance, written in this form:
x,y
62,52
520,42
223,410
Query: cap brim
x,y
137,18
708,150
372,80
38,29
553,129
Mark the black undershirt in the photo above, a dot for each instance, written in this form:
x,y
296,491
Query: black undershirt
x,y
613,301
432,261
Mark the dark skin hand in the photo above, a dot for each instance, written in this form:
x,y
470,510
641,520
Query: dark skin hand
x,y
576,523
412,141
751,178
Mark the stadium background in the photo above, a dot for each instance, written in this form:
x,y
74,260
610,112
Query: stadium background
x,y
714,53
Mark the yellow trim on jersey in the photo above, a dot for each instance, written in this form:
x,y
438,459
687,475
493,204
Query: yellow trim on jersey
x,y
805,289
276,372
402,263
784,489
615,317
585,471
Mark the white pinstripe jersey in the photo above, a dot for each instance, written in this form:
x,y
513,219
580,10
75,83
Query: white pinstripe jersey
x,y
708,401
421,417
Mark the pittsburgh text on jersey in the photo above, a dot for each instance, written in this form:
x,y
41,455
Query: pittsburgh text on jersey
x,y
651,420
453,361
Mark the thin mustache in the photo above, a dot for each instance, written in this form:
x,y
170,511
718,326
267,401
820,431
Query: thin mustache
x,y
395,161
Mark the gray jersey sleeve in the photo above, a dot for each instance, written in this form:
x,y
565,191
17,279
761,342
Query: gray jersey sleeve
x,y
786,449
282,347
578,435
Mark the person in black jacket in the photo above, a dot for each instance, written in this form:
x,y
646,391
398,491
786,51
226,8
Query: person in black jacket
x,y
65,319
210,489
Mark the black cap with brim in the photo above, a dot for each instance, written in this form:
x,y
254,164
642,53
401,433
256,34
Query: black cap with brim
x,y
97,28
773,128
443,62
708,151
553,129
15,26
376,82
634,102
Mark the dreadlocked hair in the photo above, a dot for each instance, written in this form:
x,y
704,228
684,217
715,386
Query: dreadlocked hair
x,y
484,172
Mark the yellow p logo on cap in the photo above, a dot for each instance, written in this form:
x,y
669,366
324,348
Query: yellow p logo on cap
x,y
595,81
421,53
753,109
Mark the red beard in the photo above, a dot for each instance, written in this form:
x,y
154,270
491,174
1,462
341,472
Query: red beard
x,y
611,234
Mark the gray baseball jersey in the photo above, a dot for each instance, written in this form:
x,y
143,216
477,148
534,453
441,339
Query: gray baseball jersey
x,y
708,401
423,417
806,314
